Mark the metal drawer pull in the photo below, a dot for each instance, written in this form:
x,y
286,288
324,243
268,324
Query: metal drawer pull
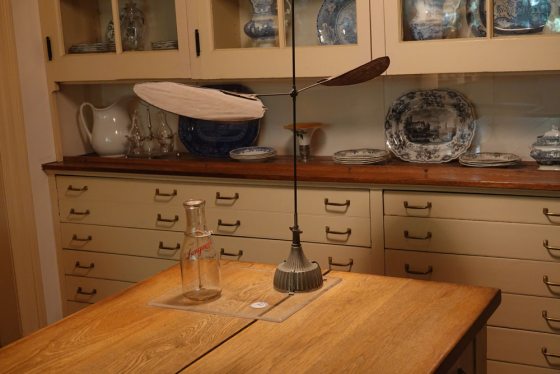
x,y
163,194
545,353
329,231
418,272
348,264
238,254
76,239
346,204
236,224
77,213
427,206
79,266
549,247
161,246
548,214
172,220
549,319
79,291
77,189
220,197
426,237
550,284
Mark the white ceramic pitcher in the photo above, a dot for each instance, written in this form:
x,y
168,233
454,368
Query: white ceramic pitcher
x,y
107,134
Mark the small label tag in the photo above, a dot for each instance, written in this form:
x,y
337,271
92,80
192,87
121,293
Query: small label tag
x,y
259,304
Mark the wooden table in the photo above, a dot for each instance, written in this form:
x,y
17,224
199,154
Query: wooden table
x,y
365,323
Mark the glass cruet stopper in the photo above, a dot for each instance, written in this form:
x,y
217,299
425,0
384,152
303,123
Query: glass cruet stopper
x,y
134,137
164,134
200,263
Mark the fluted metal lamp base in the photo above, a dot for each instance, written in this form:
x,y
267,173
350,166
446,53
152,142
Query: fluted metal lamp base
x,y
297,273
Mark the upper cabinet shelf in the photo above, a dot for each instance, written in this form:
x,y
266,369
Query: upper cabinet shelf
x,y
89,40
451,36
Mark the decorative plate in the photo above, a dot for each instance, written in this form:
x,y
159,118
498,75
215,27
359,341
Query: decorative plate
x,y
252,153
217,139
336,22
426,20
430,126
510,16
489,158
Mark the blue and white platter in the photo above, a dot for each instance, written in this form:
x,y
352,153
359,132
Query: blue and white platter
x,y
336,22
430,126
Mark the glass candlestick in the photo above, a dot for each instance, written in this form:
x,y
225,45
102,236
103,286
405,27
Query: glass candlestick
x,y
304,133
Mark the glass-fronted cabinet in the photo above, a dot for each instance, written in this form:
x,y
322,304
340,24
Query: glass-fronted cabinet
x,y
115,39
253,38
444,36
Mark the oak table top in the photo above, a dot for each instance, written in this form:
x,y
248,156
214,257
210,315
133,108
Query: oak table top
x,y
365,322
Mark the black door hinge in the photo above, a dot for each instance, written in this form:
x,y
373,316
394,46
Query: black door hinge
x,y
197,42
49,49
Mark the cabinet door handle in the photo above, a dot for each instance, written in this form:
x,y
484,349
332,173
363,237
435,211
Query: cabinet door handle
x,y
329,231
161,246
548,283
547,355
238,254
328,203
220,197
427,206
80,291
418,272
349,264
164,194
80,266
549,214
236,224
76,239
78,213
77,189
549,319
425,237
549,247
167,220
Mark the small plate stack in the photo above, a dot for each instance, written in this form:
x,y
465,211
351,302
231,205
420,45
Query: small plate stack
x,y
252,153
489,159
361,156
165,44
92,47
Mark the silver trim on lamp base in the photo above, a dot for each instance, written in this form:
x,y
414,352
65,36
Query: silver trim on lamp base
x,y
297,273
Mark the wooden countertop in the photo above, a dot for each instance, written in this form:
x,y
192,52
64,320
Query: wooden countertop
x,y
322,169
366,323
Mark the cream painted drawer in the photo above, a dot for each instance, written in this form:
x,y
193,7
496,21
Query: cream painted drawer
x,y
526,313
276,251
512,276
91,290
511,240
118,240
523,347
472,206
339,202
112,267
71,307
498,367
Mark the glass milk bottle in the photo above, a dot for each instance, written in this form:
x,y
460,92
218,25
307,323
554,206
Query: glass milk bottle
x,y
200,263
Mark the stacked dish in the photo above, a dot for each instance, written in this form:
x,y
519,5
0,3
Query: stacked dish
x,y
361,156
489,159
165,44
92,47
252,153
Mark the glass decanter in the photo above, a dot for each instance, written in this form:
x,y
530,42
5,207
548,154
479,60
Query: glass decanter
x,y
164,135
200,263
134,138
132,27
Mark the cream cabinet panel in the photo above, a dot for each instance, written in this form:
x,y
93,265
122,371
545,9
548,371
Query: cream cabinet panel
x,y
512,276
473,207
118,240
523,347
497,239
110,266
498,367
73,307
91,290
528,313
224,50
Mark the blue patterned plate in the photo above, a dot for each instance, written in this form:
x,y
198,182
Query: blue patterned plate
x,y
217,139
430,126
336,22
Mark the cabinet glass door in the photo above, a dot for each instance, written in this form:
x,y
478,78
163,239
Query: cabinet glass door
x,y
256,35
